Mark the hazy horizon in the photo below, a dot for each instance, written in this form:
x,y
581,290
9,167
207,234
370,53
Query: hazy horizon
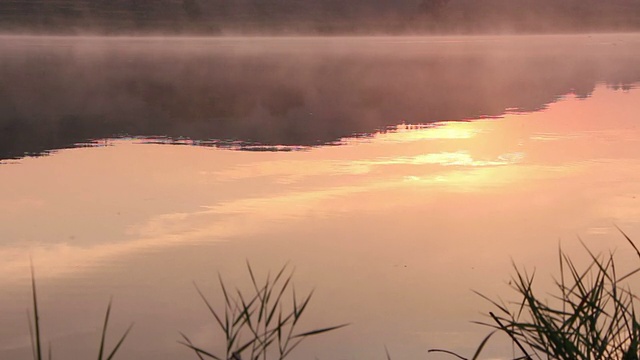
x,y
322,17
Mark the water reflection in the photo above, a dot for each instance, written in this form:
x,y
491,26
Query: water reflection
x,y
393,229
232,92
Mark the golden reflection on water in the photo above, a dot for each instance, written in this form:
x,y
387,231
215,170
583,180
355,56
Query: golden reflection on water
x,y
392,229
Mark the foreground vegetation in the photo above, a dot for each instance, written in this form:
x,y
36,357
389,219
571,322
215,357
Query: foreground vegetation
x,y
264,317
591,316
36,339
257,325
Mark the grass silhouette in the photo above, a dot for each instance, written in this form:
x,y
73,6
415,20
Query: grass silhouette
x,y
591,315
263,318
35,331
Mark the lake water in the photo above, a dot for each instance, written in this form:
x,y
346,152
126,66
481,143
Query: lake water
x,y
396,174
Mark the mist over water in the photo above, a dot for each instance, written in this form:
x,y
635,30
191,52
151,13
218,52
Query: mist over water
x,y
59,92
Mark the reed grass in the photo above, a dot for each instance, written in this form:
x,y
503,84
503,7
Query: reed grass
x,y
262,324
595,316
591,315
36,338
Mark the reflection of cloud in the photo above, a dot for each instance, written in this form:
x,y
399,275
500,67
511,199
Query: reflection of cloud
x,y
290,170
600,135
63,258
156,226
260,215
279,168
486,178
599,230
615,135
553,136
459,158
8,206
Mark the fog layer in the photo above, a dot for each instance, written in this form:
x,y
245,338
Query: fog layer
x,y
57,92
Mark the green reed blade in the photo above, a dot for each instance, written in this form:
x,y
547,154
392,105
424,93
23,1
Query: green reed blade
x,y
104,331
629,240
302,307
386,351
278,300
31,337
36,316
319,331
190,344
499,306
211,310
447,352
482,344
115,349
199,351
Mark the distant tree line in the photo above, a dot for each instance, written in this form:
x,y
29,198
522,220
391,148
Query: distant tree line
x,y
319,16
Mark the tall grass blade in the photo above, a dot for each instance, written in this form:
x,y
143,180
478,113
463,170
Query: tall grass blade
x,y
104,331
190,344
115,349
386,351
447,352
319,331
624,277
629,240
224,290
278,300
300,310
513,337
563,288
291,348
36,316
31,337
104,336
481,346
501,307
199,351
211,310
36,341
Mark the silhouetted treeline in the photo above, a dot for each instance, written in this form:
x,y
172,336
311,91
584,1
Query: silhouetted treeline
x,y
318,16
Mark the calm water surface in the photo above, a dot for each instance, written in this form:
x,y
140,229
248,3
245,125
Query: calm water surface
x,y
415,171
